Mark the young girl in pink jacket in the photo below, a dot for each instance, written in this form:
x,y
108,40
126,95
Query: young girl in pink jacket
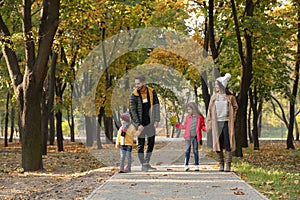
x,y
193,125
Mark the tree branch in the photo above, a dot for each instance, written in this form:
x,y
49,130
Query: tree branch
x,y
48,27
238,33
10,56
211,30
27,30
282,117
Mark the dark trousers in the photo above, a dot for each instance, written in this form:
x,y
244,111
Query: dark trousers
x,y
149,133
224,136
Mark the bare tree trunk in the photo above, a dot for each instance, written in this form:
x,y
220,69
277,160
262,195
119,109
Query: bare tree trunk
x,y
12,123
6,119
254,104
260,119
249,124
100,118
108,128
51,93
297,130
246,63
89,131
290,137
44,126
59,133
71,123
98,137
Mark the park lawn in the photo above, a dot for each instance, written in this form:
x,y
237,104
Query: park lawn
x,y
71,174
273,170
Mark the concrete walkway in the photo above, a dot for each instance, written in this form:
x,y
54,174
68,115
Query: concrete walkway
x,y
170,181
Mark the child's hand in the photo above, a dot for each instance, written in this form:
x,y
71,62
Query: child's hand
x,y
117,146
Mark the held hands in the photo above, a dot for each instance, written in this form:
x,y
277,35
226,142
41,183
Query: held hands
x,y
140,128
155,124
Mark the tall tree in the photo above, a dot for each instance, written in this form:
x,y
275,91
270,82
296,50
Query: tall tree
x,y
246,75
290,138
28,85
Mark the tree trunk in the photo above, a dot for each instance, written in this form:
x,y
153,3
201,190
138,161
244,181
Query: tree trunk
x,y
6,119
98,137
254,105
100,118
28,87
89,131
12,123
249,124
290,137
59,133
260,119
31,129
108,128
51,94
44,126
211,31
297,130
246,63
71,123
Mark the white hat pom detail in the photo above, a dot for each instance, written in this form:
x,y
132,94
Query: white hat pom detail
x,y
224,79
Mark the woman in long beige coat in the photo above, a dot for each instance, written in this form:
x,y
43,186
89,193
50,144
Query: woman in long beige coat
x,y
220,120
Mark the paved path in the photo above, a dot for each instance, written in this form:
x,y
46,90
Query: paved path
x,y
170,181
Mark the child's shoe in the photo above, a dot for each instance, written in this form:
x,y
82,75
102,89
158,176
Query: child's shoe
x,y
127,169
121,170
197,168
186,168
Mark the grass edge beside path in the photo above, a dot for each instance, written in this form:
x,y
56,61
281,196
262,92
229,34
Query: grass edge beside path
x,y
273,170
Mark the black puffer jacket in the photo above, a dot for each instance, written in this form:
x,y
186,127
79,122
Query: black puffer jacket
x,y
136,107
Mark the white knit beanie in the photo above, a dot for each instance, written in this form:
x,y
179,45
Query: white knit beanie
x,y
224,79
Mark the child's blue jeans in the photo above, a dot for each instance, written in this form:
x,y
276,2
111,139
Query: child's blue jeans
x,y
125,151
188,151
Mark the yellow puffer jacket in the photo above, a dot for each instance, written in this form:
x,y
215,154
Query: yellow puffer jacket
x,y
128,139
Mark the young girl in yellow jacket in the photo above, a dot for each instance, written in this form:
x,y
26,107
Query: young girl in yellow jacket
x,y
125,141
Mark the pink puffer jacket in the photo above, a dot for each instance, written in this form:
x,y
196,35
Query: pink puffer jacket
x,y
187,125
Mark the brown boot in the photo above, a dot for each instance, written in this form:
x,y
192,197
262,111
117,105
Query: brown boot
x,y
221,160
228,161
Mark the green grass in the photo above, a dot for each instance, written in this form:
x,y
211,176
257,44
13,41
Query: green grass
x,y
273,170
275,184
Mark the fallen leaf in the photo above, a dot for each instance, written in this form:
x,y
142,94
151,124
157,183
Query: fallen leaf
x,y
100,180
215,166
269,182
234,188
296,182
133,184
215,186
239,193
158,163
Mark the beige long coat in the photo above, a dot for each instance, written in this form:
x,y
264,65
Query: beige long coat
x,y
212,124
